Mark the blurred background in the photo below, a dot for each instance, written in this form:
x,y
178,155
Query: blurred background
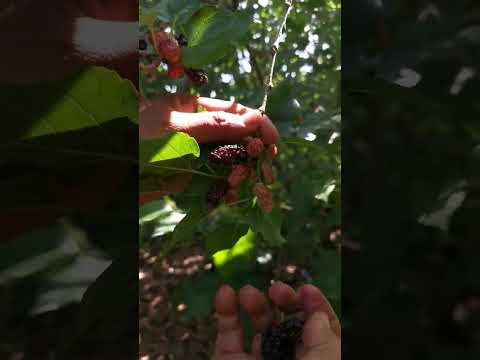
x,y
410,178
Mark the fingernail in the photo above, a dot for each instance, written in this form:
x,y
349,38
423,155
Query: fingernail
x,y
225,288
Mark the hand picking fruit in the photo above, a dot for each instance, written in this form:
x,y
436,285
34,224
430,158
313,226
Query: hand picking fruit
x,y
245,137
314,335
223,121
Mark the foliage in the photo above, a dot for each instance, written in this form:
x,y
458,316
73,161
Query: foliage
x,y
411,186
68,165
231,42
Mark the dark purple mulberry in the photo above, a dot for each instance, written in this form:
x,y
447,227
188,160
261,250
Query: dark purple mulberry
x,y
279,342
217,192
182,40
198,77
228,154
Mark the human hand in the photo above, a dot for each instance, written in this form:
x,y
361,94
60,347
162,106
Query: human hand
x,y
223,121
321,333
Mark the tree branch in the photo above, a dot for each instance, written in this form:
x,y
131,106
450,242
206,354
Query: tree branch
x,y
275,46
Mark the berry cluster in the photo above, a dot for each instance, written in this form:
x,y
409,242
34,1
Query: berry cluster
x,y
168,48
242,161
279,342
228,154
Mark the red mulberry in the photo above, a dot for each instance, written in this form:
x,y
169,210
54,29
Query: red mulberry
x,y
255,147
175,71
267,172
167,47
228,154
239,173
264,197
231,198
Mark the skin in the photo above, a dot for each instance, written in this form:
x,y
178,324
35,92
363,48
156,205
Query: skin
x,y
322,331
223,121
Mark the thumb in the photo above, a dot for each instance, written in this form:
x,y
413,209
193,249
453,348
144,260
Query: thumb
x,y
319,340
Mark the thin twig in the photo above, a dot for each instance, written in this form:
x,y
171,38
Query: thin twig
x,y
275,46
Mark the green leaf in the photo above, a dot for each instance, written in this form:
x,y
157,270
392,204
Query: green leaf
x,y
176,12
282,105
114,292
235,259
326,273
211,33
65,106
160,212
147,17
194,196
198,293
269,225
36,252
170,147
183,232
224,237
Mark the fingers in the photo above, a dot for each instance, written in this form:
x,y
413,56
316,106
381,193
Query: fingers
x,y
225,121
230,336
314,301
316,328
263,124
220,105
319,340
185,103
257,347
255,303
284,297
205,127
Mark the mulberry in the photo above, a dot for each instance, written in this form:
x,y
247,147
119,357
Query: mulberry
x,y
267,172
170,51
279,342
231,198
198,77
264,197
255,147
217,192
239,173
166,46
228,154
175,71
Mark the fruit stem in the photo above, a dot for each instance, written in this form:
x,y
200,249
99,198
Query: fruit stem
x,y
275,46
154,40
